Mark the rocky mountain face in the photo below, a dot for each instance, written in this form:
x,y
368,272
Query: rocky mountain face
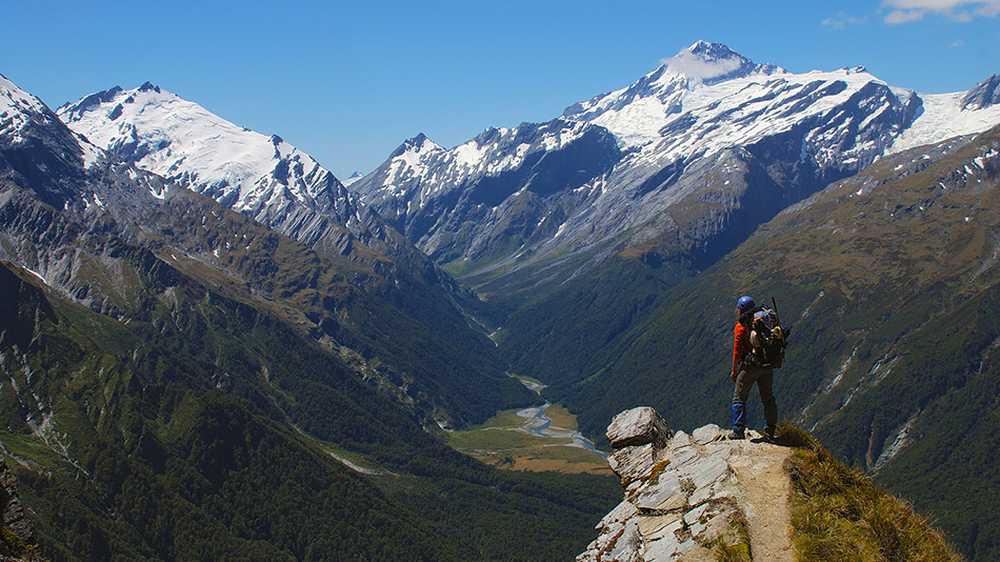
x,y
276,184
181,382
375,302
983,96
888,281
38,148
68,214
17,542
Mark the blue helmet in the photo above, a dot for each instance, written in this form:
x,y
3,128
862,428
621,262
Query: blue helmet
x,y
745,304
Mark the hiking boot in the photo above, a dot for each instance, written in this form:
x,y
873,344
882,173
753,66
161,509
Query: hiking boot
x,y
769,433
736,436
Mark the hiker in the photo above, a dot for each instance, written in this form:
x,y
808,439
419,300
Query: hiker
x,y
746,371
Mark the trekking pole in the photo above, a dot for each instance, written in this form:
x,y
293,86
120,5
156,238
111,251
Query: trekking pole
x,y
785,331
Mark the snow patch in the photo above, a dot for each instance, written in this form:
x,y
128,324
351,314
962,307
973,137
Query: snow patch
x,y
17,109
944,118
469,154
40,278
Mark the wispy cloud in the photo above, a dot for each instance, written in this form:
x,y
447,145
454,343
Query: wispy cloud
x,y
842,21
906,11
956,44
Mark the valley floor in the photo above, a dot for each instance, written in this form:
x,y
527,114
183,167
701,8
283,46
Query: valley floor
x,y
539,438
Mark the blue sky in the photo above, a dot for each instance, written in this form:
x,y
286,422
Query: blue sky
x,y
348,82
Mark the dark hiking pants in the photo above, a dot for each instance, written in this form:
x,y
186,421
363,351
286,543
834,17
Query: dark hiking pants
x,y
764,378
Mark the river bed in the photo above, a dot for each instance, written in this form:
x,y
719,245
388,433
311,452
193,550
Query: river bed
x,y
538,423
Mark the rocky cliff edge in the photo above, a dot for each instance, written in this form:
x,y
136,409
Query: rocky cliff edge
x,y
692,496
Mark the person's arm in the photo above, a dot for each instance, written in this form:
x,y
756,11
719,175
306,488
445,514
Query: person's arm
x,y
739,341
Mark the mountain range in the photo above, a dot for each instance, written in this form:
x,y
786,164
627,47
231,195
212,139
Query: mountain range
x,y
205,317
450,372
652,181
183,382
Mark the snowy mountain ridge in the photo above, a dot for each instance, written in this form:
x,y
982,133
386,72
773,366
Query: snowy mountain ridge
x,y
16,108
258,175
269,180
668,157
951,115
21,110
355,176
187,144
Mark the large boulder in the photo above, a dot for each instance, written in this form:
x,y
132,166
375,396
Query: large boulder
x,y
638,426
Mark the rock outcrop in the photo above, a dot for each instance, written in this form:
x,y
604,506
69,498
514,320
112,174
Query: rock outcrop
x,y
17,537
689,494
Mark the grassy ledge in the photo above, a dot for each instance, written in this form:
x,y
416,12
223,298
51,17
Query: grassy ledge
x,y
839,514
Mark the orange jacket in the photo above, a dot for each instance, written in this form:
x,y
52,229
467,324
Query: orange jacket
x,y
741,345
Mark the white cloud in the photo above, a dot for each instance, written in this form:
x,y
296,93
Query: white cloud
x,y
956,44
904,16
695,67
905,11
842,21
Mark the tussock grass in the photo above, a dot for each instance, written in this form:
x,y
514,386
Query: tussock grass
x,y
839,514
738,548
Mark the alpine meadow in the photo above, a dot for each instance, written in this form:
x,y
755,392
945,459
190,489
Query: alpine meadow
x,y
730,309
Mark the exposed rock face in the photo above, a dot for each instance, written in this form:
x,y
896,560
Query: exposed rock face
x,y
683,493
18,540
985,94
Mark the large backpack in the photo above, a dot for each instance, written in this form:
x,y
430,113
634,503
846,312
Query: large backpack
x,y
767,339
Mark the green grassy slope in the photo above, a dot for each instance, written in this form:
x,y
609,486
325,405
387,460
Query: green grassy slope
x,y
839,514
556,336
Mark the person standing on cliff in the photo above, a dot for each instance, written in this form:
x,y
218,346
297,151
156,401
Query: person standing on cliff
x,y
745,374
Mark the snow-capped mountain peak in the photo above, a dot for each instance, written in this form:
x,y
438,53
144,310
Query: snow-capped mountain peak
x,y
17,108
705,62
709,88
985,94
419,144
25,119
262,176
355,176
182,141
148,86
